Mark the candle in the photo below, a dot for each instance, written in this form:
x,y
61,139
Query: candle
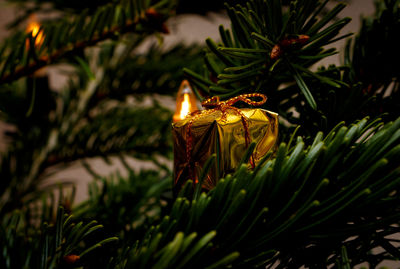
x,y
185,102
37,84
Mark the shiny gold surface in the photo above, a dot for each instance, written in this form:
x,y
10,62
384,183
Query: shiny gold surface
x,y
226,131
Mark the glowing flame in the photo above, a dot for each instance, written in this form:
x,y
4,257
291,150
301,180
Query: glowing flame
x,y
34,27
185,102
185,108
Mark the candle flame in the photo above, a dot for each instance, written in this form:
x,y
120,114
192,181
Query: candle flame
x,y
34,27
185,107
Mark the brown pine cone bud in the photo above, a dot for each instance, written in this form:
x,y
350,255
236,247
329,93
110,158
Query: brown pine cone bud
x,y
71,259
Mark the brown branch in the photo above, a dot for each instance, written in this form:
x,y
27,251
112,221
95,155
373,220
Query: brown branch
x,y
23,71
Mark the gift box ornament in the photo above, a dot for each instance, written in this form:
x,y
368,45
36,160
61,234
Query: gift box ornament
x,y
225,130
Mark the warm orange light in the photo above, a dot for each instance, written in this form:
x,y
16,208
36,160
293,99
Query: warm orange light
x,y
34,27
185,102
185,108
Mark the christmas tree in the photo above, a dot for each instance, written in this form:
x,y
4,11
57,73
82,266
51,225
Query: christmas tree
x,y
327,196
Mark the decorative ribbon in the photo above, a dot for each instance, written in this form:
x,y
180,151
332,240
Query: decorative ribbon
x,y
214,104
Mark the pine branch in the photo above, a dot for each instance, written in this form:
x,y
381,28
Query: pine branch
x,y
319,195
282,57
268,46
60,242
108,198
68,38
92,117
116,131
157,71
367,83
373,56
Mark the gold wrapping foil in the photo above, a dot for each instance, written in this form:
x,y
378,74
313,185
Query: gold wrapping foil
x,y
228,132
